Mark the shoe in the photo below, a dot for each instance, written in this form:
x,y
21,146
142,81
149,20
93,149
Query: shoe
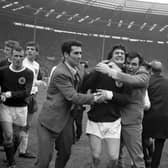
x,y
27,155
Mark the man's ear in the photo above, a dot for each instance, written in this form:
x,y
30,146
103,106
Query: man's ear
x,y
37,53
66,55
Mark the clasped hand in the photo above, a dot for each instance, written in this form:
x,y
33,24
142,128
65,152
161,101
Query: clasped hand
x,y
41,83
5,95
101,96
110,69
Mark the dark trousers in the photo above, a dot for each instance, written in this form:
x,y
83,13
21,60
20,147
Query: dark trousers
x,y
78,124
148,148
158,143
77,114
1,136
46,142
63,145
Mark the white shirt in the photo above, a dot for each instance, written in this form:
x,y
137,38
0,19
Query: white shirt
x,y
35,67
52,70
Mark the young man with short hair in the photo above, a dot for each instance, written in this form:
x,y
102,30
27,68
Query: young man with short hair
x,y
16,83
8,47
104,120
6,61
31,52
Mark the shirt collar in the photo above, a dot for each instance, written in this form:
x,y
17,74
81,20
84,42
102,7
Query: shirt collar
x,y
73,70
14,70
9,60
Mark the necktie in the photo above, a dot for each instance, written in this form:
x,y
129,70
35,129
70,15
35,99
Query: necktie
x,y
77,80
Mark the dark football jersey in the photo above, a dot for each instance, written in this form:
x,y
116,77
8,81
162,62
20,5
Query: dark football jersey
x,y
18,82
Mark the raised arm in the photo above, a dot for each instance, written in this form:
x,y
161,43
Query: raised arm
x,y
65,86
140,79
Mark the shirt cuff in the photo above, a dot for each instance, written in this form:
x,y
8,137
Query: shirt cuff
x,y
109,95
8,94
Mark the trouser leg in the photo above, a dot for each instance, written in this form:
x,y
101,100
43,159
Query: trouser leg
x,y
1,130
159,143
147,144
124,159
78,122
1,135
63,144
132,139
45,146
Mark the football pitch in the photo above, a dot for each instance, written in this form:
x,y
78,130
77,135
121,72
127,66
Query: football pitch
x,y
80,158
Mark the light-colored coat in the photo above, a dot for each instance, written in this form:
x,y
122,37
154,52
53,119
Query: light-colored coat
x,y
136,85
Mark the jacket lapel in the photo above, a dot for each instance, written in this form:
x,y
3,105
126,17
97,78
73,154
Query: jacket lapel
x,y
68,71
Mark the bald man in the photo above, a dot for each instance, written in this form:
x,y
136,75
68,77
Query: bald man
x,y
156,118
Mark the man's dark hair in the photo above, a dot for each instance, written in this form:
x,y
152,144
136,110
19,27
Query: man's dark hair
x,y
131,55
118,46
66,46
11,43
33,44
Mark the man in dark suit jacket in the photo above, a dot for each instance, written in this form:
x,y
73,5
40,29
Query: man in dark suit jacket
x,y
156,118
55,122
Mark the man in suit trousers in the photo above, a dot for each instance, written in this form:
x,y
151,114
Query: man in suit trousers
x,y
136,81
78,110
156,118
55,122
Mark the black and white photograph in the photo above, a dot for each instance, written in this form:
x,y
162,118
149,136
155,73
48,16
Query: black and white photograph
x,y
83,83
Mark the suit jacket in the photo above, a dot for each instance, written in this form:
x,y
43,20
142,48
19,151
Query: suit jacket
x,y
156,118
136,85
61,94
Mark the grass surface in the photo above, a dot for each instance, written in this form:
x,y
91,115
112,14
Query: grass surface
x,y
80,158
